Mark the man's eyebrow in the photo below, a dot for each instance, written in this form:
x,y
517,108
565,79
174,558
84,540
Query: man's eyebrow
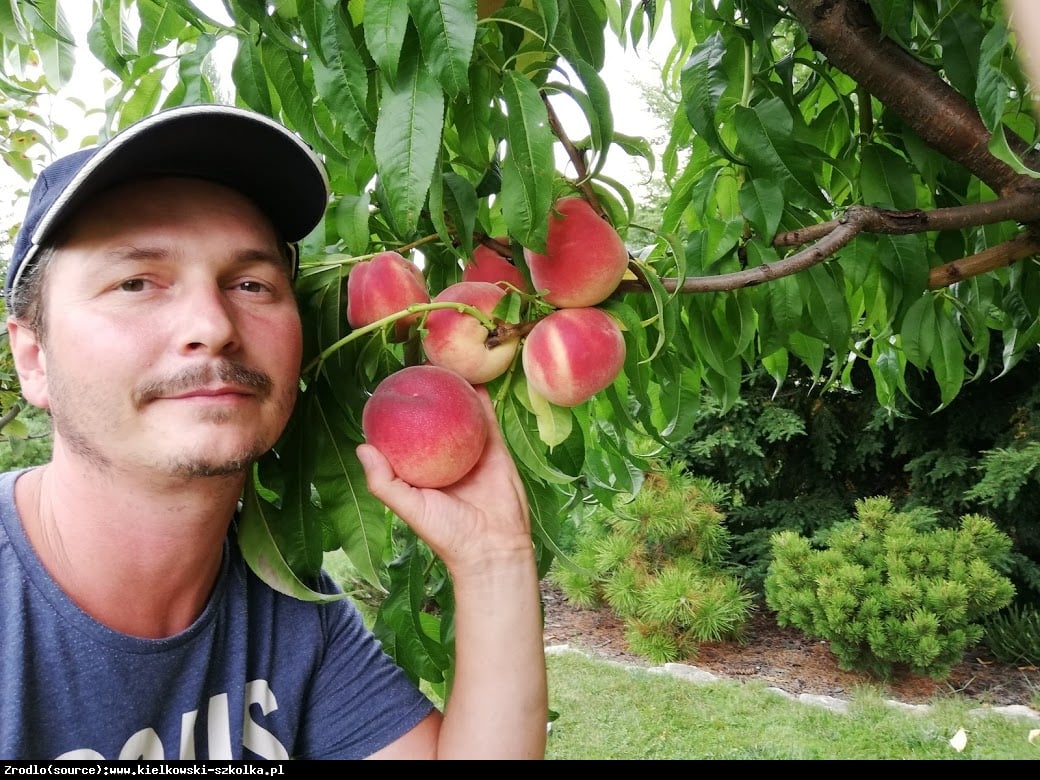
x,y
132,254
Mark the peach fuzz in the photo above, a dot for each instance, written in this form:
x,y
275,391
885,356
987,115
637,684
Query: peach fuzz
x,y
585,258
487,265
572,354
457,340
382,286
429,424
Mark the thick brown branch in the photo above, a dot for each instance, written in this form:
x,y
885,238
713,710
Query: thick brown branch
x,y
867,220
1023,206
825,248
1018,248
846,32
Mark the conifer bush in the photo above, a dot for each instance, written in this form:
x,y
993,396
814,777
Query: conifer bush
x,y
658,559
890,590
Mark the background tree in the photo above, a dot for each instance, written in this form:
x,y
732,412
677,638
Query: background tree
x,y
851,184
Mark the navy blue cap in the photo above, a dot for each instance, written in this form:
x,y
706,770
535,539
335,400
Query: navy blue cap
x,y
241,149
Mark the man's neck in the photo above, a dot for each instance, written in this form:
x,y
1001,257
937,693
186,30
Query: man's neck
x,y
138,556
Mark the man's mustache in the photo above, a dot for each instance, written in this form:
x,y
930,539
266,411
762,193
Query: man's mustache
x,y
202,376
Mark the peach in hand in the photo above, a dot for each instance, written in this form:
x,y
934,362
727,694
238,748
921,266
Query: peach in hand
x,y
428,422
457,340
572,354
585,258
382,286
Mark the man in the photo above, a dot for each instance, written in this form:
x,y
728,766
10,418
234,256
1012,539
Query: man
x,y
151,311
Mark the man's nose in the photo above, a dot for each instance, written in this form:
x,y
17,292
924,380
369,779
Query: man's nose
x,y
207,318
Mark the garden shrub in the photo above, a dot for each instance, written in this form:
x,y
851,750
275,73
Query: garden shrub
x,y
658,560
890,590
1013,635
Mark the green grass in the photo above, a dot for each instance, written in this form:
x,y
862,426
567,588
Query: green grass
x,y
607,711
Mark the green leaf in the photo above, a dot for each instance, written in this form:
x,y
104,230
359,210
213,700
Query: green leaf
x,y
351,215
160,24
827,307
250,79
762,202
277,30
447,29
918,334
585,21
888,367
385,22
529,165
357,518
455,197
703,85
291,80
947,360
341,79
809,350
675,399
991,94
406,635
518,429
961,36
776,365
408,138
191,75
260,552
885,179
13,27
599,116
554,423
55,46
141,97
767,142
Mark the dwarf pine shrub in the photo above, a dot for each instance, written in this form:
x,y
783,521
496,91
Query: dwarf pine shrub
x,y
658,560
891,590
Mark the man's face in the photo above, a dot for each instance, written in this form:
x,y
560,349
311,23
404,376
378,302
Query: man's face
x,y
173,342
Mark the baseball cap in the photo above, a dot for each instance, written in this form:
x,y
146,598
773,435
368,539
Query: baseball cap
x,y
238,148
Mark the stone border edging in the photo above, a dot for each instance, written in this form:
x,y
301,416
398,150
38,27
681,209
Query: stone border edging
x,y
695,674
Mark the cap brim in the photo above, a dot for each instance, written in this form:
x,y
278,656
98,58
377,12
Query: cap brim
x,y
246,151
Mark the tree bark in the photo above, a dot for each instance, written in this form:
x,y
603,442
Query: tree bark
x,y
847,34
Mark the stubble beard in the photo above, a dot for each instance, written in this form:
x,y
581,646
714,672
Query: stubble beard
x,y
197,464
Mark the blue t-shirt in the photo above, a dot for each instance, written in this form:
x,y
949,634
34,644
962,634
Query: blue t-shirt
x,y
258,675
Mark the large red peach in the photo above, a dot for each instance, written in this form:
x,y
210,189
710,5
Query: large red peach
x,y
429,424
487,265
382,286
458,340
585,258
572,354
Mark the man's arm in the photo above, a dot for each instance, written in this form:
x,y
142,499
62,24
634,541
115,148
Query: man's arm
x,y
480,528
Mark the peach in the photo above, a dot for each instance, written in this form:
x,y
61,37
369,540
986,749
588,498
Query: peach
x,y
585,258
428,422
382,286
572,354
487,265
457,340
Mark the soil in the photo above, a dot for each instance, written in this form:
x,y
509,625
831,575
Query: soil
x,y
786,658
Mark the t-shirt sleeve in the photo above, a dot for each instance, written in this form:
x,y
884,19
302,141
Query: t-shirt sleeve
x,y
360,699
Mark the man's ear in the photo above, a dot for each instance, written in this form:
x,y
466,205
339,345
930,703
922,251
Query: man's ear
x,y
30,362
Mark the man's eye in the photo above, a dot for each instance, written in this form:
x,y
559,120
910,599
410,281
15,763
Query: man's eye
x,y
132,285
254,287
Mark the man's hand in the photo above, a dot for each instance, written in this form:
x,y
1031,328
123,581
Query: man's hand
x,y
471,522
